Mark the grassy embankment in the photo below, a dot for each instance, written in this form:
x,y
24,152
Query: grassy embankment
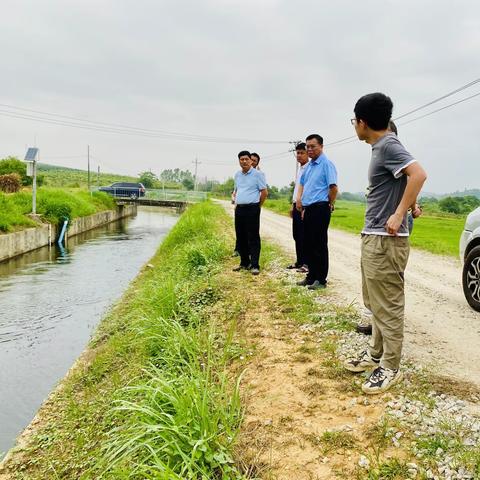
x,y
52,203
434,233
152,399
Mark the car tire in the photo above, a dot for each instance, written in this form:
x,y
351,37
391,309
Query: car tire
x,y
133,196
471,278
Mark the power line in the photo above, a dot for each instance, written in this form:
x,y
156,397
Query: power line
x,y
440,109
453,92
352,138
78,122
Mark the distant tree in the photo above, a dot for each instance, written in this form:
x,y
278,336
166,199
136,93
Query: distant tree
x,y
207,185
176,175
287,191
459,205
149,179
352,197
423,200
224,189
188,184
273,192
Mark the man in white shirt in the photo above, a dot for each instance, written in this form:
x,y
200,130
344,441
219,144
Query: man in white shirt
x,y
297,222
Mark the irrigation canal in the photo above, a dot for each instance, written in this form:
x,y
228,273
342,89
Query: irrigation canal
x,y
51,300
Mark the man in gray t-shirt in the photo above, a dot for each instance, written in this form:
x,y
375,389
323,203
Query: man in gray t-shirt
x,y
386,184
395,179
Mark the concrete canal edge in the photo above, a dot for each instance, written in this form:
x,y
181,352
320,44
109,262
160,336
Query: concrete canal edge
x,y
17,243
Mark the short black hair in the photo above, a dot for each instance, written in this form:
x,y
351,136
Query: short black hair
x,y
392,127
301,146
375,109
254,154
315,136
243,153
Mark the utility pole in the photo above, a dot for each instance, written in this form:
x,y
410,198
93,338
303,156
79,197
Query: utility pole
x,y
196,162
98,176
88,166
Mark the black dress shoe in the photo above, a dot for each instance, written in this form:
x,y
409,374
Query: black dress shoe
x,y
365,329
240,267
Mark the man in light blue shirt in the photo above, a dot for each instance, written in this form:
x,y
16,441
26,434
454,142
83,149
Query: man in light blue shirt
x,y
251,192
297,221
316,197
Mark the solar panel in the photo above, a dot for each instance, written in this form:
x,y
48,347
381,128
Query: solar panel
x,y
31,154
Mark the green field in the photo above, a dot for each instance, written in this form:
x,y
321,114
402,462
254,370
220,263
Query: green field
x,y
72,178
438,234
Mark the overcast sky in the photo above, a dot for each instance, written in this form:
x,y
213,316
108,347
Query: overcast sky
x,y
263,70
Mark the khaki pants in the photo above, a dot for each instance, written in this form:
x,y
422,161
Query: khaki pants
x,y
383,262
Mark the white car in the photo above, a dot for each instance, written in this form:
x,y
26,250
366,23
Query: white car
x,y
470,255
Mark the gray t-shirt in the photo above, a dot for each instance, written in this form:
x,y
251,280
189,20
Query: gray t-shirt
x,y
386,184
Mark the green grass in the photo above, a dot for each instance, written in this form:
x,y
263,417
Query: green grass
x,y
156,399
52,204
73,178
391,469
12,217
434,233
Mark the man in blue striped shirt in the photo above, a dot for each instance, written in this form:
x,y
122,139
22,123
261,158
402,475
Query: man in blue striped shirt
x,y
316,197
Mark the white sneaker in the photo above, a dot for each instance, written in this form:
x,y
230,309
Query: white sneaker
x,y
381,379
363,363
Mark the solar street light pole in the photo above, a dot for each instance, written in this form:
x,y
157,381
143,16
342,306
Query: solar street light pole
x,y
31,159
34,188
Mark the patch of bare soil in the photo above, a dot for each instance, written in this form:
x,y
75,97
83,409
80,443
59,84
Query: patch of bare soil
x,y
302,421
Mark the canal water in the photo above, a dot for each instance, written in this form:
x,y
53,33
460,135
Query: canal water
x,y
51,300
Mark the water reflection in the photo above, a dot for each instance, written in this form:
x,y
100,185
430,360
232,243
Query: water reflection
x,y
51,300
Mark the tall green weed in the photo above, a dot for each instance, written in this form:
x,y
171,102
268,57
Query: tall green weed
x,y
180,418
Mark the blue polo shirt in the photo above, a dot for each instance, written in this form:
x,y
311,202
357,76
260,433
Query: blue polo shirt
x,y
318,176
248,186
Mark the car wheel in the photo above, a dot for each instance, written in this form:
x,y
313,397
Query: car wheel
x,y
471,278
133,196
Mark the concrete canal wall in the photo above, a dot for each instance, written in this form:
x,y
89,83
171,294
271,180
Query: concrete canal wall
x,y
13,244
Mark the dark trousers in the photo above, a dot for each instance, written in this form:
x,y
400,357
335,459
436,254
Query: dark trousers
x,y
316,220
298,236
247,228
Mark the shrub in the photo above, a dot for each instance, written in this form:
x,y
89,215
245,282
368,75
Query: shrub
x,y
10,183
459,205
14,165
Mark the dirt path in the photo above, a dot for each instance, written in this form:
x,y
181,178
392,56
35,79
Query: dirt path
x,y
441,330
292,403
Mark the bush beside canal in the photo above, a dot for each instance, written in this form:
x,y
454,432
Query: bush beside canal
x,y
52,204
152,398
